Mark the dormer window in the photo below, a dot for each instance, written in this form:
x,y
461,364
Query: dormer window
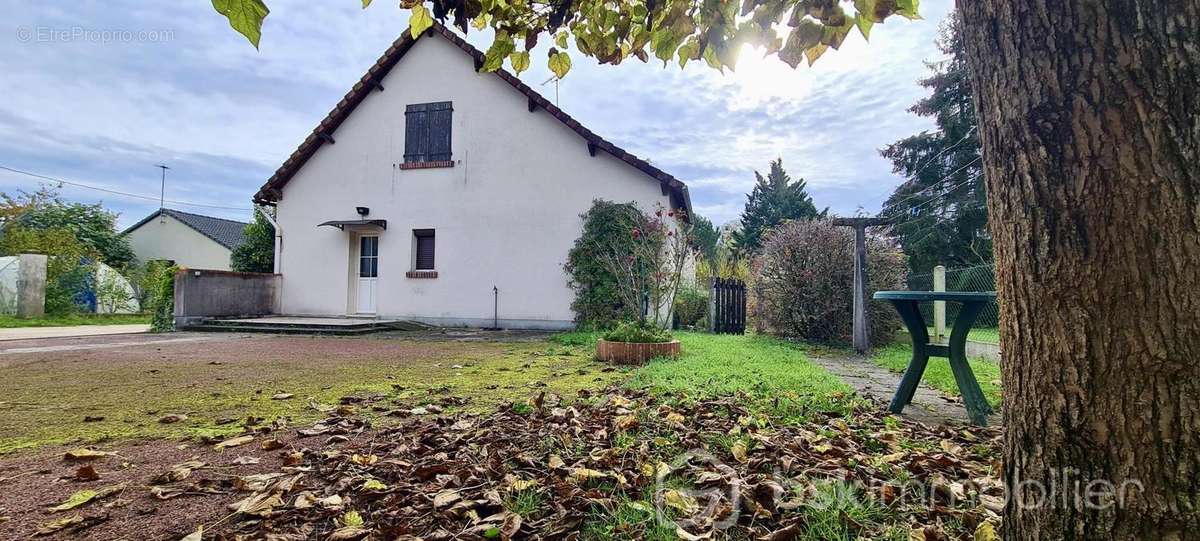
x,y
427,133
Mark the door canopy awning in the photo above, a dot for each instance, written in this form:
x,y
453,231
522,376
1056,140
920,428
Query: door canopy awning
x,y
342,224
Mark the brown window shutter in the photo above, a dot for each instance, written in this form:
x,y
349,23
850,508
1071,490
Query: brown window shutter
x,y
427,132
425,249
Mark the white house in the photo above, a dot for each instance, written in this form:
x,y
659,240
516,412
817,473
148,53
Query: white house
x,y
437,193
190,240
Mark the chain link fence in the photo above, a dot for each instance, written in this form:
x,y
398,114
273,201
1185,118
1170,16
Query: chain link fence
x,y
976,278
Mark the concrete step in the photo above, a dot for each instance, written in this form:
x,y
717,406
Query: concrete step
x,y
315,327
285,330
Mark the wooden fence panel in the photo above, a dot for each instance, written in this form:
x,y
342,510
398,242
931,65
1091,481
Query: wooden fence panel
x,y
727,306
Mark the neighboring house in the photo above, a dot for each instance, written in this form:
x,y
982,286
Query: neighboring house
x,y
430,184
190,240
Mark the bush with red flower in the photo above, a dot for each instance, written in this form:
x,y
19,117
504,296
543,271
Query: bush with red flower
x,y
628,265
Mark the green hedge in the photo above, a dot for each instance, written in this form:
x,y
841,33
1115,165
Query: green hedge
x,y
162,298
691,308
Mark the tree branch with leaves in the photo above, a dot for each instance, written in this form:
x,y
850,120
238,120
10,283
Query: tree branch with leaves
x,y
611,32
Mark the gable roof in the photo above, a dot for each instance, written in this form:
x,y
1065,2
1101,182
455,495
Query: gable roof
x,y
227,233
271,191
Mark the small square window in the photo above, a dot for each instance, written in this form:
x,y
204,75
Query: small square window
x,y
423,254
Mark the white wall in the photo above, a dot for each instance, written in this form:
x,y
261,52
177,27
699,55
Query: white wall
x,y
506,214
164,237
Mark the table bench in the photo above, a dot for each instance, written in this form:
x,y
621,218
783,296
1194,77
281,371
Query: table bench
x,y
907,303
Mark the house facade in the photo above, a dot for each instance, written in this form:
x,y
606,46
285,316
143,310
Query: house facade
x,y
189,240
437,193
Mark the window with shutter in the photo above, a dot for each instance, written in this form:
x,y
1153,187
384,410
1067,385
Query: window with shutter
x,y
424,239
427,132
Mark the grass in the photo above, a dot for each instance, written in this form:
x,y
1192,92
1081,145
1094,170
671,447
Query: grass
x,y
50,396
938,373
47,399
775,375
71,320
986,335
833,510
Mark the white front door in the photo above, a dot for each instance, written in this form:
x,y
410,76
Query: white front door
x,y
368,273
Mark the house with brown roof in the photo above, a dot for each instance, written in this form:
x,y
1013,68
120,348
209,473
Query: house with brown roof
x,y
440,193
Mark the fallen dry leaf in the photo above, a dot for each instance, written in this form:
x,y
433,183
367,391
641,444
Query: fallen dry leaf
x,y
87,473
234,442
686,536
62,523
75,500
739,451
445,498
260,504
172,418
84,454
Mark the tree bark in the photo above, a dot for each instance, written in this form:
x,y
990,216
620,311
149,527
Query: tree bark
x,y
1090,124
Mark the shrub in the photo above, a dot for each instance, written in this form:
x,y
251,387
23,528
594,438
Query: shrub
x,y
162,298
257,252
144,278
633,332
804,283
113,292
597,303
691,307
68,271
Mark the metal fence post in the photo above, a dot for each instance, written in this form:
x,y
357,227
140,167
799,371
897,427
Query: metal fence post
x,y
939,307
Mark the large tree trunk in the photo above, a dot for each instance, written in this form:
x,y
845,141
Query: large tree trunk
x,y
1090,123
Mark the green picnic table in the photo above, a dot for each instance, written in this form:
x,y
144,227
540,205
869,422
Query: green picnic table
x,y
907,303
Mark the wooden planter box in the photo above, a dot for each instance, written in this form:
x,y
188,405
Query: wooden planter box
x,y
634,352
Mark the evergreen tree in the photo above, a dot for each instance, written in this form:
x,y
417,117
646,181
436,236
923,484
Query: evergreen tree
x,y
774,200
706,236
257,253
941,211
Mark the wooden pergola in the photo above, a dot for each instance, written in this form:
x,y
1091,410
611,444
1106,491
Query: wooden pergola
x,y
862,337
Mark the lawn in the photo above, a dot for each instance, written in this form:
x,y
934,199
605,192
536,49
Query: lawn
x,y
714,365
120,394
756,403
71,320
986,335
774,375
938,373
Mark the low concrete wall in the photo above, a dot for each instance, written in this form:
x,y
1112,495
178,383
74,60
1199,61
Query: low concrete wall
x,y
203,294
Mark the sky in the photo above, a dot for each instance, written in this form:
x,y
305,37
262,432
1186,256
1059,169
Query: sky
x,y
100,93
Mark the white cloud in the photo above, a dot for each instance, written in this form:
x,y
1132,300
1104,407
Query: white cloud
x,y
104,113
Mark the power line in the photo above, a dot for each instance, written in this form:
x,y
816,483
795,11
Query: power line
x,y
943,151
938,181
948,190
116,192
929,162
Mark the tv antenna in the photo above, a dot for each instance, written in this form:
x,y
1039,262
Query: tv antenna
x,y
162,191
556,80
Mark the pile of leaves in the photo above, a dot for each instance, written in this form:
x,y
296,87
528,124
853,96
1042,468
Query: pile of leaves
x,y
615,465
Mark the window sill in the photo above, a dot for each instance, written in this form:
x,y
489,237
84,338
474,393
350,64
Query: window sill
x,y
423,274
427,165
